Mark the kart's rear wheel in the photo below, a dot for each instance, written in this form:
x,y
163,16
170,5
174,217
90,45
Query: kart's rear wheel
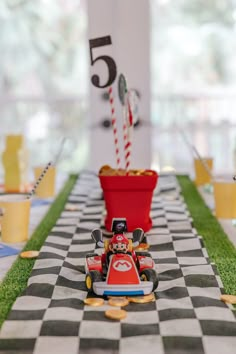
x,y
149,275
91,255
91,277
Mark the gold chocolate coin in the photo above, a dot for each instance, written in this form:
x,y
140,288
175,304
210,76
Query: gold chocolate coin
x,y
118,301
29,254
231,299
142,299
94,301
116,314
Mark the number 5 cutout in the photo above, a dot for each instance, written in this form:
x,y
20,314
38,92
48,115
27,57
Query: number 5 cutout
x,y
112,71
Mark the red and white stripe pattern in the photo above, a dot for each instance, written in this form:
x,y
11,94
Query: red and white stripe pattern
x,y
128,144
114,127
125,137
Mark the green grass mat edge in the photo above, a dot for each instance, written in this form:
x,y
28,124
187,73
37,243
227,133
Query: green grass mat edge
x,y
16,279
220,249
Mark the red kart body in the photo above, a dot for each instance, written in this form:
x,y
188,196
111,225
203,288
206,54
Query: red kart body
x,y
121,274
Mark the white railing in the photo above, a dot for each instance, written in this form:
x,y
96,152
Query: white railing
x,y
209,122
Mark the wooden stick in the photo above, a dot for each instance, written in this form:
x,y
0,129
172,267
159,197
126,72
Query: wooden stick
x,y
114,127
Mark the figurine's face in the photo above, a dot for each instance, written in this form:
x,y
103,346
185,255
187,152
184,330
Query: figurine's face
x,y
119,247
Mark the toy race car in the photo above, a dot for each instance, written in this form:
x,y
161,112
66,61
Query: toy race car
x,y
120,270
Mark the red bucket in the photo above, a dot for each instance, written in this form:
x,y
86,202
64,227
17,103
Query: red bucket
x,y
129,197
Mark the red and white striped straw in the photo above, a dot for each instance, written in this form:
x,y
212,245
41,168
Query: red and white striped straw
x,y
128,145
126,139
114,127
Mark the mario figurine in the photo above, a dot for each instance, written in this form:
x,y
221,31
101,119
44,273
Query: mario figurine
x,y
118,244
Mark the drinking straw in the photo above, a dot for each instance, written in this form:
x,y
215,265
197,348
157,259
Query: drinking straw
x,y
39,180
114,127
59,151
128,147
192,147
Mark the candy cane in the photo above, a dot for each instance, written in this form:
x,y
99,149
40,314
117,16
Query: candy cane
x,y
114,127
39,180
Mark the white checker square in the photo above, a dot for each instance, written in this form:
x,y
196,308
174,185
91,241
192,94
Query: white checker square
x,y
63,314
100,329
181,327
141,345
56,345
20,329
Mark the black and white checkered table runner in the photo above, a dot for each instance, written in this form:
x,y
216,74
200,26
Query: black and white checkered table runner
x,y
187,316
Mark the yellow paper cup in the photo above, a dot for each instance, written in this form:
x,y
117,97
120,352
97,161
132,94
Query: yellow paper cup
x,y
225,199
15,219
201,175
46,187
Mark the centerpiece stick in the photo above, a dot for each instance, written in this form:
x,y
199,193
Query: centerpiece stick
x,y
114,127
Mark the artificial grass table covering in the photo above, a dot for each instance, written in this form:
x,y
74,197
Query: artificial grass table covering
x,y
220,249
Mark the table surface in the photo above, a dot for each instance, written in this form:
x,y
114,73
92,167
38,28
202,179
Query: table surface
x,y
37,213
187,315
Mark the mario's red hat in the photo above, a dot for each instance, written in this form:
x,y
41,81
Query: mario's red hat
x,y
119,238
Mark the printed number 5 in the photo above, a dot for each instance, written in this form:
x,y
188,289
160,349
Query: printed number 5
x,y
112,71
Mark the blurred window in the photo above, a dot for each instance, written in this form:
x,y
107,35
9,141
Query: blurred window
x,y
43,82
193,52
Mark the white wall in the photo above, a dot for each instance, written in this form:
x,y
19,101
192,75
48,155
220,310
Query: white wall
x,y
127,22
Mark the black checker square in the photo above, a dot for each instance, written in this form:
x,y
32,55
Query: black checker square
x,y
171,274
94,316
17,315
176,313
201,281
98,346
67,283
60,328
203,301
168,246
50,270
218,328
69,302
166,260
43,290
173,293
11,345
183,345
130,330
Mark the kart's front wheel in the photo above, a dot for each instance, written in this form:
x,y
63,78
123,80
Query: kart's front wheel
x,y
149,275
91,277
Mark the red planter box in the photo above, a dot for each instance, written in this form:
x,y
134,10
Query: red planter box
x,y
129,197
